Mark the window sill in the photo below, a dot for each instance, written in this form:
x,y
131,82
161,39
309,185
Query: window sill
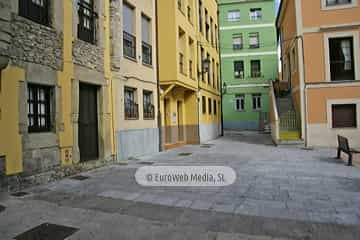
x,y
148,65
129,118
343,128
149,118
337,7
130,58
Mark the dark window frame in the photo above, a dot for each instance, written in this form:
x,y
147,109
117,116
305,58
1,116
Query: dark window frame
x,y
34,12
337,59
209,105
129,45
131,109
35,125
255,74
337,3
215,107
257,102
341,122
236,67
87,16
257,35
148,106
240,103
203,101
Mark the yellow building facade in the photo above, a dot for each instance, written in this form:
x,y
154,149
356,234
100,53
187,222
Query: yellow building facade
x,y
189,74
56,86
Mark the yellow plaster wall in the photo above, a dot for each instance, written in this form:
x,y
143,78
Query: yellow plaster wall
x,y
10,139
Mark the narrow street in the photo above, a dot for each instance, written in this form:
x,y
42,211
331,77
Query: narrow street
x,y
280,193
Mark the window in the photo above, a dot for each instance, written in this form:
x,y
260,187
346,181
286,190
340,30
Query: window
x,y
254,40
211,32
256,98
200,17
86,26
337,2
344,116
129,40
35,10
215,108
202,54
255,14
39,109
341,52
189,13
239,69
207,25
209,72
131,107
209,105
191,72
255,68
203,104
181,63
213,72
233,15
237,41
149,109
146,40
216,36
239,103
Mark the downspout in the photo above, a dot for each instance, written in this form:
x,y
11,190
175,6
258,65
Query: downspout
x,y
158,76
221,86
304,90
198,88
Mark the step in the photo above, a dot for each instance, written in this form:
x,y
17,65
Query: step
x,y
290,135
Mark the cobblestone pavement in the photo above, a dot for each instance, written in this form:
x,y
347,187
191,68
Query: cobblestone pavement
x,y
280,193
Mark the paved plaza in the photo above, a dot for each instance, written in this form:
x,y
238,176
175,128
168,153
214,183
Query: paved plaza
x,y
279,193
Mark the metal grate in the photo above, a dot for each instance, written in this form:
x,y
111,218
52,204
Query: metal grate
x,y
146,163
2,208
47,231
184,154
19,194
80,177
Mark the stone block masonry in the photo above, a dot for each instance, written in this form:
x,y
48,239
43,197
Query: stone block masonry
x,y
88,55
35,43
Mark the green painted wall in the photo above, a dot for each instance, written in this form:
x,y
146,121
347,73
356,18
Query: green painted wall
x,y
266,53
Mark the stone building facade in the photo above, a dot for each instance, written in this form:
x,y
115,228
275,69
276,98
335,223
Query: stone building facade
x,y
55,95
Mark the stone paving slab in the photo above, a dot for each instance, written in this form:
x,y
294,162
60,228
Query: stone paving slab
x,y
271,182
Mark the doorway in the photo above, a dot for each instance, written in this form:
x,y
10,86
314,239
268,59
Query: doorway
x,y
180,121
88,123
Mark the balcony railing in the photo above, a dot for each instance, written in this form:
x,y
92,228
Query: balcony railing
x,y
131,110
129,45
255,74
146,53
87,20
149,111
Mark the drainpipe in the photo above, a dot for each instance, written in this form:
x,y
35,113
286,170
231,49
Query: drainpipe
x,y
158,76
221,86
304,90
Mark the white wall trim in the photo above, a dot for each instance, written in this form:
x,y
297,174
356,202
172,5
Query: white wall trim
x,y
355,35
249,85
331,27
248,26
340,6
229,55
334,84
331,102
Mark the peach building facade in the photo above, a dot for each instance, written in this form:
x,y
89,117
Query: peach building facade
x,y
320,56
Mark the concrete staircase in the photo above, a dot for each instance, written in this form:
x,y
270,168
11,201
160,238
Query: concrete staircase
x,y
290,134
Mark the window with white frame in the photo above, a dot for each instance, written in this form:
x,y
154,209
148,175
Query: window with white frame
x,y
254,40
129,39
146,40
233,15
344,116
338,2
255,14
256,102
237,41
341,51
240,103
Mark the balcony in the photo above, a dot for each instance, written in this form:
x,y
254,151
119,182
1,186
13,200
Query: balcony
x,y
131,111
146,53
149,111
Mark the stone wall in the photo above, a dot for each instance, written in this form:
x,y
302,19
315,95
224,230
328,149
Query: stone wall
x,y
5,31
35,43
88,55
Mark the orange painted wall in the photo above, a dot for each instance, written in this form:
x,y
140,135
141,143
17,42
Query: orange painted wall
x,y
314,57
317,97
314,16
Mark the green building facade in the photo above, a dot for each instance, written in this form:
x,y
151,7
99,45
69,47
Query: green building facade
x,y
249,61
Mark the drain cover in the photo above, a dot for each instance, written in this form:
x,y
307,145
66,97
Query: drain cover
x,y
185,154
19,194
80,177
47,231
147,163
2,208
206,146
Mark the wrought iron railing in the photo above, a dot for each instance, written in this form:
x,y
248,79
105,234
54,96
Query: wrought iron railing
x,y
131,110
149,111
129,42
